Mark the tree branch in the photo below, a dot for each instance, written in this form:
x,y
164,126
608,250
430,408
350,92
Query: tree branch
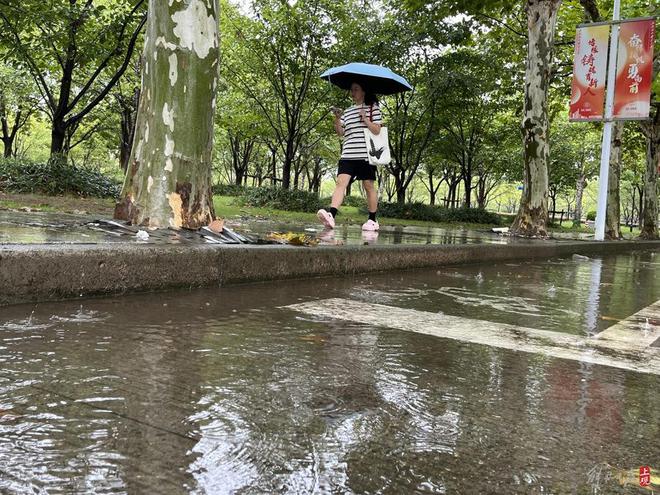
x,y
36,73
115,77
504,24
107,59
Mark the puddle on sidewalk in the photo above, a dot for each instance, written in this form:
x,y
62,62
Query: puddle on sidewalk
x,y
223,391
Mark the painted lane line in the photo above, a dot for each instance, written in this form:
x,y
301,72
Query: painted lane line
x,y
604,352
641,329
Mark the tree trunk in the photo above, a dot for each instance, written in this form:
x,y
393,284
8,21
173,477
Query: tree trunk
x,y
649,213
553,197
482,193
127,131
452,193
579,193
613,213
168,183
273,165
286,166
8,148
400,195
467,184
431,190
533,212
58,138
9,135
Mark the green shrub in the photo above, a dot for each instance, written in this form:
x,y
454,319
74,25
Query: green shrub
x,y
281,199
57,176
354,201
591,215
421,211
229,189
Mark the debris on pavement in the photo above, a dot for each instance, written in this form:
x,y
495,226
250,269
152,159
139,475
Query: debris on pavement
x,y
293,238
579,257
217,225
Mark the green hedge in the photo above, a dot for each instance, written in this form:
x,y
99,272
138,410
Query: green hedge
x,y
230,190
56,176
296,200
282,199
421,211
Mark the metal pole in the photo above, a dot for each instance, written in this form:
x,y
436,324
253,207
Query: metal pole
x,y
606,146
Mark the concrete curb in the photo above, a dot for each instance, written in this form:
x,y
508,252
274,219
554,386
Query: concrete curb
x,y
30,273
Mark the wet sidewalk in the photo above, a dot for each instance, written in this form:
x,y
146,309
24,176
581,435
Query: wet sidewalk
x,y
378,383
45,256
59,228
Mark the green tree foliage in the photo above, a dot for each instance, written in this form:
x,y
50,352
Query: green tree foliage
x,y
19,101
75,51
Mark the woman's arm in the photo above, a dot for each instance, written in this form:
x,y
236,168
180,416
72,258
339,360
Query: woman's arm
x,y
339,129
372,126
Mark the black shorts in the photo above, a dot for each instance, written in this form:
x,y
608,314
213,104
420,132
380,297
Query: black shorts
x,y
357,169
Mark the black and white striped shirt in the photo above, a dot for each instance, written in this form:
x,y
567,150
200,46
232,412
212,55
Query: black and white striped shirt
x,y
354,146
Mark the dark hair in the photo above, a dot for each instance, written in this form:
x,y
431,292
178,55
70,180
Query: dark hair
x,y
369,97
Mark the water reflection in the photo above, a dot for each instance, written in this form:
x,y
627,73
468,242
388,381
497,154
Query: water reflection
x,y
222,391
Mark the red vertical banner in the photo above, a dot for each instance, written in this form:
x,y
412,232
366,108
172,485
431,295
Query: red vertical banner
x,y
634,72
589,73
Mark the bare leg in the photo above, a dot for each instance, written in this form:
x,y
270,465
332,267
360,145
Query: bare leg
x,y
372,195
340,190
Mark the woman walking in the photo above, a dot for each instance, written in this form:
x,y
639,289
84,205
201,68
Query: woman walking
x,y
354,160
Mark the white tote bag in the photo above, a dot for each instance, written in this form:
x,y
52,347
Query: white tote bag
x,y
378,146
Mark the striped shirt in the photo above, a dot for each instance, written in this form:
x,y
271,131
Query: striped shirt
x,y
354,146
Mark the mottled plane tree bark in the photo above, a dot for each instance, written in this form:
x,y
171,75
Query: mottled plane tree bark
x,y
168,182
532,215
613,211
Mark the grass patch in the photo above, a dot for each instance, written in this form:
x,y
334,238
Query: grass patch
x,y
102,207
228,207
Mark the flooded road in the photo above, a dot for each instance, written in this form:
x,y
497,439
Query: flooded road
x,y
235,390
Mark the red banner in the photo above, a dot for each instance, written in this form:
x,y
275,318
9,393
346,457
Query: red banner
x,y
589,71
634,73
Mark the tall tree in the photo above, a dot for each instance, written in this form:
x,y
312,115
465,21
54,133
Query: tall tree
x,y
19,100
168,183
276,62
75,51
533,212
408,45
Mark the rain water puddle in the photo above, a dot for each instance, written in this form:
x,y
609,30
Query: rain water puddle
x,y
225,391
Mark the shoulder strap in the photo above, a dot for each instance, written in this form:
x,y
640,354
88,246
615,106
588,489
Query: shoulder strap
x,y
371,112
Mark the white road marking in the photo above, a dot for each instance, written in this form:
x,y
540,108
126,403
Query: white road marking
x,y
621,348
639,330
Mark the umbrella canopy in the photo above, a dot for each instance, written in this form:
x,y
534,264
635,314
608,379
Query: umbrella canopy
x,y
373,78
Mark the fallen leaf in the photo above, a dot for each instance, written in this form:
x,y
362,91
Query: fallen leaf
x,y
292,238
217,225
